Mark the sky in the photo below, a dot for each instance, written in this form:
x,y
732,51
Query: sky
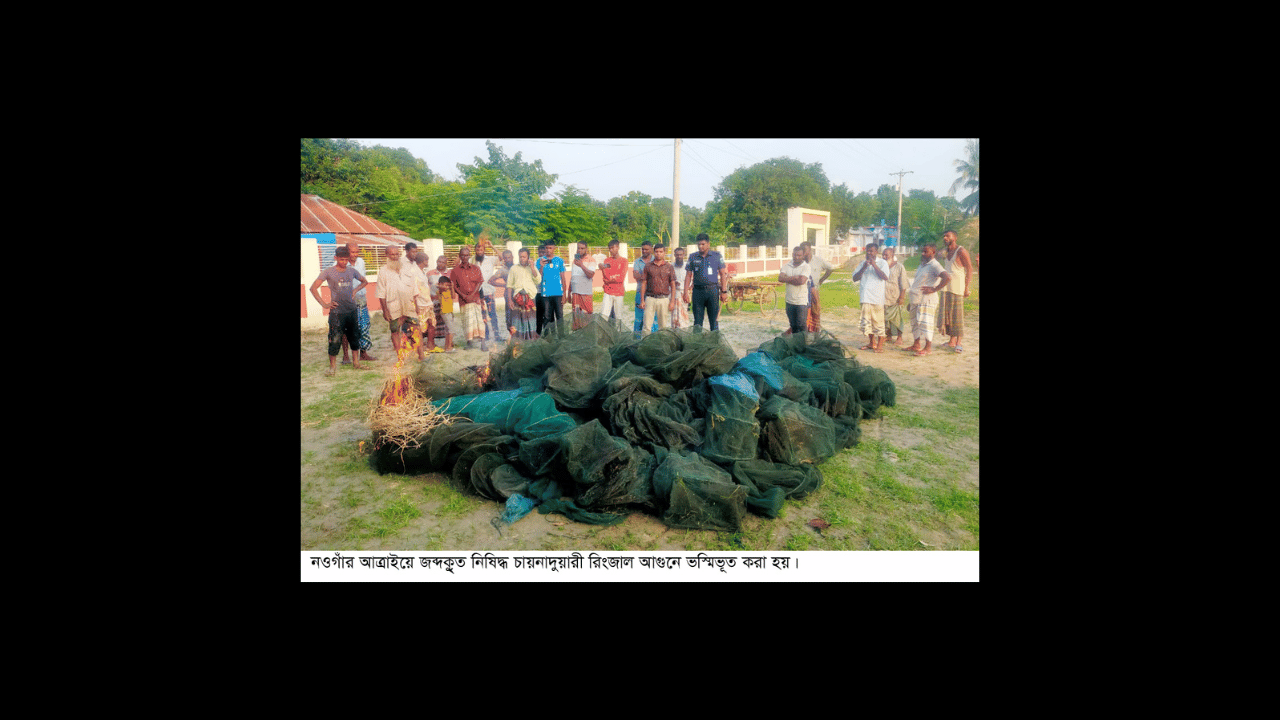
x,y
606,168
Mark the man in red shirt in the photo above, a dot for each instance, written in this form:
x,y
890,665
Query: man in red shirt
x,y
656,285
614,269
467,279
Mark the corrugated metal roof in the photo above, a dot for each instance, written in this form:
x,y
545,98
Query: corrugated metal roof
x,y
321,216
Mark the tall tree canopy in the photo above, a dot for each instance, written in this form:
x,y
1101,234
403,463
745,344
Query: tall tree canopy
x,y
968,169
754,200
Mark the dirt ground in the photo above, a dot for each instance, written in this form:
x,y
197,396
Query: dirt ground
x,y
328,510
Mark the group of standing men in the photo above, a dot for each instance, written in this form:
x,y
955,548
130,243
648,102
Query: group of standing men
x,y
699,283
417,303
936,295
427,304
420,304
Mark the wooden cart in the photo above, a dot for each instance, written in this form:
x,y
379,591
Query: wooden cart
x,y
764,294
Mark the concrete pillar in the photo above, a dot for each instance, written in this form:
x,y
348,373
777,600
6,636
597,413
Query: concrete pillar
x,y
310,256
434,247
628,284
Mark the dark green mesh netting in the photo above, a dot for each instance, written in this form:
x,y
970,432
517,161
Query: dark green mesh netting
x,y
595,423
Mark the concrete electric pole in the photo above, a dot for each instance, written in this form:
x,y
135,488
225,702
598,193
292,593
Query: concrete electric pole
x,y
675,206
900,174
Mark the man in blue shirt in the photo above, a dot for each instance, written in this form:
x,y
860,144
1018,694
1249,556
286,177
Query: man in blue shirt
x,y
555,278
706,276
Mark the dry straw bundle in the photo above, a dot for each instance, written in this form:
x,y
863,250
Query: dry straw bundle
x,y
402,424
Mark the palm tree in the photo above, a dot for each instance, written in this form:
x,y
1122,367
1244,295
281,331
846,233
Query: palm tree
x,y
968,177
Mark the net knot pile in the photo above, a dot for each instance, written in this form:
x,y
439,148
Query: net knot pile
x,y
596,423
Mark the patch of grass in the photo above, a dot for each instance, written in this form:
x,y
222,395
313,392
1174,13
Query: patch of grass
x,y
799,541
457,504
347,396
954,500
890,534
838,478
964,399
392,518
341,404
875,503
400,512
351,498
925,421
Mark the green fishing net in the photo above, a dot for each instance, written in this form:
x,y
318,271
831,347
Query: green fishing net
x,y
595,423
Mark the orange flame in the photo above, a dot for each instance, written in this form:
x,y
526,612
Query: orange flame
x,y
398,387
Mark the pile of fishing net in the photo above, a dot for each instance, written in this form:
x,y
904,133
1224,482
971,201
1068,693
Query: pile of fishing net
x,y
595,423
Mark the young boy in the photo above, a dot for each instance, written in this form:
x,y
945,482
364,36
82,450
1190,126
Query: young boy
x,y
613,268
796,275
342,305
871,277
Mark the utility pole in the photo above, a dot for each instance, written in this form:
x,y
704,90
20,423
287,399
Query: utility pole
x,y
900,174
675,205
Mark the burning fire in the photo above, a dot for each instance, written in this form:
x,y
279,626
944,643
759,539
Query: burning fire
x,y
398,387
483,374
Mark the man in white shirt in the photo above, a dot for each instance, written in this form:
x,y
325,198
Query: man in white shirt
x,y
580,284
397,285
871,277
922,298
679,309
796,276
488,264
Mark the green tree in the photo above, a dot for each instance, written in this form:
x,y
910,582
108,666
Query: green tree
x,y
576,217
630,217
503,195
437,212
886,205
968,169
846,211
755,200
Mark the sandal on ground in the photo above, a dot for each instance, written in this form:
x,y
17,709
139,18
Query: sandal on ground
x,y
958,348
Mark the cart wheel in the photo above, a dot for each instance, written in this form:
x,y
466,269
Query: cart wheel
x,y
768,302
